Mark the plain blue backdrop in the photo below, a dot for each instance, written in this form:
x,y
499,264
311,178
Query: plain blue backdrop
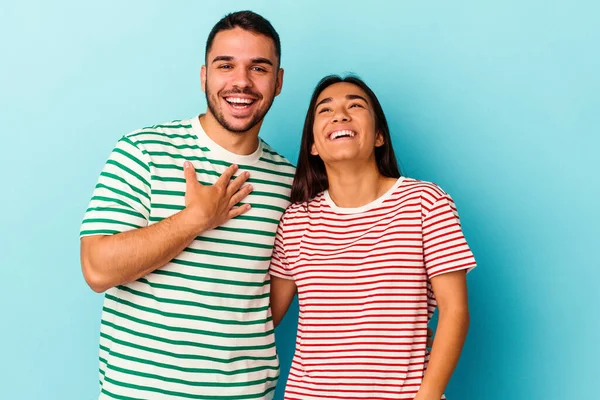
x,y
496,101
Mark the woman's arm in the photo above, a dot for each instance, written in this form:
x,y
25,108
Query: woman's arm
x,y
450,291
282,294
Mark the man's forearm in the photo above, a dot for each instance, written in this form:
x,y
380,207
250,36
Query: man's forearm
x,y
450,336
109,261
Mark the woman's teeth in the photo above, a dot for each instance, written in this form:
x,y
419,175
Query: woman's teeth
x,y
343,133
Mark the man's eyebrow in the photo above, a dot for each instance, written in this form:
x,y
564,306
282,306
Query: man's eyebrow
x,y
222,58
261,60
258,60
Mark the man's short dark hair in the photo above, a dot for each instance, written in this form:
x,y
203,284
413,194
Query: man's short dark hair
x,y
249,21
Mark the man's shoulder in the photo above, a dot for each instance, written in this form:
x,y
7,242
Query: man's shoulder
x,y
167,132
275,159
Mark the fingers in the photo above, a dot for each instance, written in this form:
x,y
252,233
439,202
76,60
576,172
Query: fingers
x,y
226,175
234,212
240,195
237,183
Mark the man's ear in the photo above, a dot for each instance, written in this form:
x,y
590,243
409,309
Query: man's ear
x,y
379,140
203,78
279,82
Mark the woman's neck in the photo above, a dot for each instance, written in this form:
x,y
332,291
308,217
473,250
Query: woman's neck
x,y
353,186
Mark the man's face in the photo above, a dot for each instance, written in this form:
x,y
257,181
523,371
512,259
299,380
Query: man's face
x,y
241,78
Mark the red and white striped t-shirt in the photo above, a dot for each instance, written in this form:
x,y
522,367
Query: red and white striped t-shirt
x,y
363,277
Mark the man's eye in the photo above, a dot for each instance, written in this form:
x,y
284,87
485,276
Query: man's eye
x,y
259,69
225,66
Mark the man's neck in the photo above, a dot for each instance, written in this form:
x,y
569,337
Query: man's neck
x,y
244,143
355,185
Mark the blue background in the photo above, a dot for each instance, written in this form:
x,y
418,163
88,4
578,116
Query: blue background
x,y
496,101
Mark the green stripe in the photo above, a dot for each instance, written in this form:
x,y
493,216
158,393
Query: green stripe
x,y
239,217
108,221
112,200
215,173
219,267
284,163
185,342
268,194
181,193
227,255
203,292
191,303
119,210
186,317
185,356
189,383
175,126
191,370
118,396
122,193
129,171
99,232
266,207
168,135
242,218
211,280
198,396
216,162
247,231
235,243
120,179
131,157
169,144
257,219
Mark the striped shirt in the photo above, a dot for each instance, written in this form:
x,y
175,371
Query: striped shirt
x,y
199,327
363,276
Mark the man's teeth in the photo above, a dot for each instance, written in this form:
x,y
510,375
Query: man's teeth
x,y
239,100
344,133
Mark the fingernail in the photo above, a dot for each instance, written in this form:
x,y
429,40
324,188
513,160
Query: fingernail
x,y
250,188
187,164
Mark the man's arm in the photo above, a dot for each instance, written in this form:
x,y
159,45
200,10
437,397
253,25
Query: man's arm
x,y
108,261
450,291
282,294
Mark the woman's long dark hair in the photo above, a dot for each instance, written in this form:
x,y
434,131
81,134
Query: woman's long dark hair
x,y
311,177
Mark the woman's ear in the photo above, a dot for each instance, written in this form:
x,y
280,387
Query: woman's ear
x,y
379,140
313,150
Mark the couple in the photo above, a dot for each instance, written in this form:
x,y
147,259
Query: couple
x,y
201,234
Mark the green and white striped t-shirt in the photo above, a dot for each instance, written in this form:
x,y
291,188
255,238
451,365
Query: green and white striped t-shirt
x,y
199,327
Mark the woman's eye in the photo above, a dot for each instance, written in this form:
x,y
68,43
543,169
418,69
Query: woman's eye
x,y
324,109
356,105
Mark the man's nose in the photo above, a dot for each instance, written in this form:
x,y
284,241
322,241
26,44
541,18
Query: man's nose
x,y
241,78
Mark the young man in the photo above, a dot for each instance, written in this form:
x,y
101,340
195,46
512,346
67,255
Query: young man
x,y
179,234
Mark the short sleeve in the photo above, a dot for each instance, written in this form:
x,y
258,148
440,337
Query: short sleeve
x,y
121,199
444,245
279,264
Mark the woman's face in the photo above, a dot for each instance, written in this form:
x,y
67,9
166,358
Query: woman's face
x,y
344,125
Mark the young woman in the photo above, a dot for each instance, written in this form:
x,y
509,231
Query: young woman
x,y
370,254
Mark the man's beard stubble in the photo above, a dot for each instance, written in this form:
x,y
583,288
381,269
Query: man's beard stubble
x,y
256,119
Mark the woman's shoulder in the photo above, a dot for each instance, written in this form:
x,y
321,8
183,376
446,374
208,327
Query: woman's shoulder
x,y
421,188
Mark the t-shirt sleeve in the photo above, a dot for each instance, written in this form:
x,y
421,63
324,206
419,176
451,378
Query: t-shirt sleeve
x,y
121,199
444,245
279,264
